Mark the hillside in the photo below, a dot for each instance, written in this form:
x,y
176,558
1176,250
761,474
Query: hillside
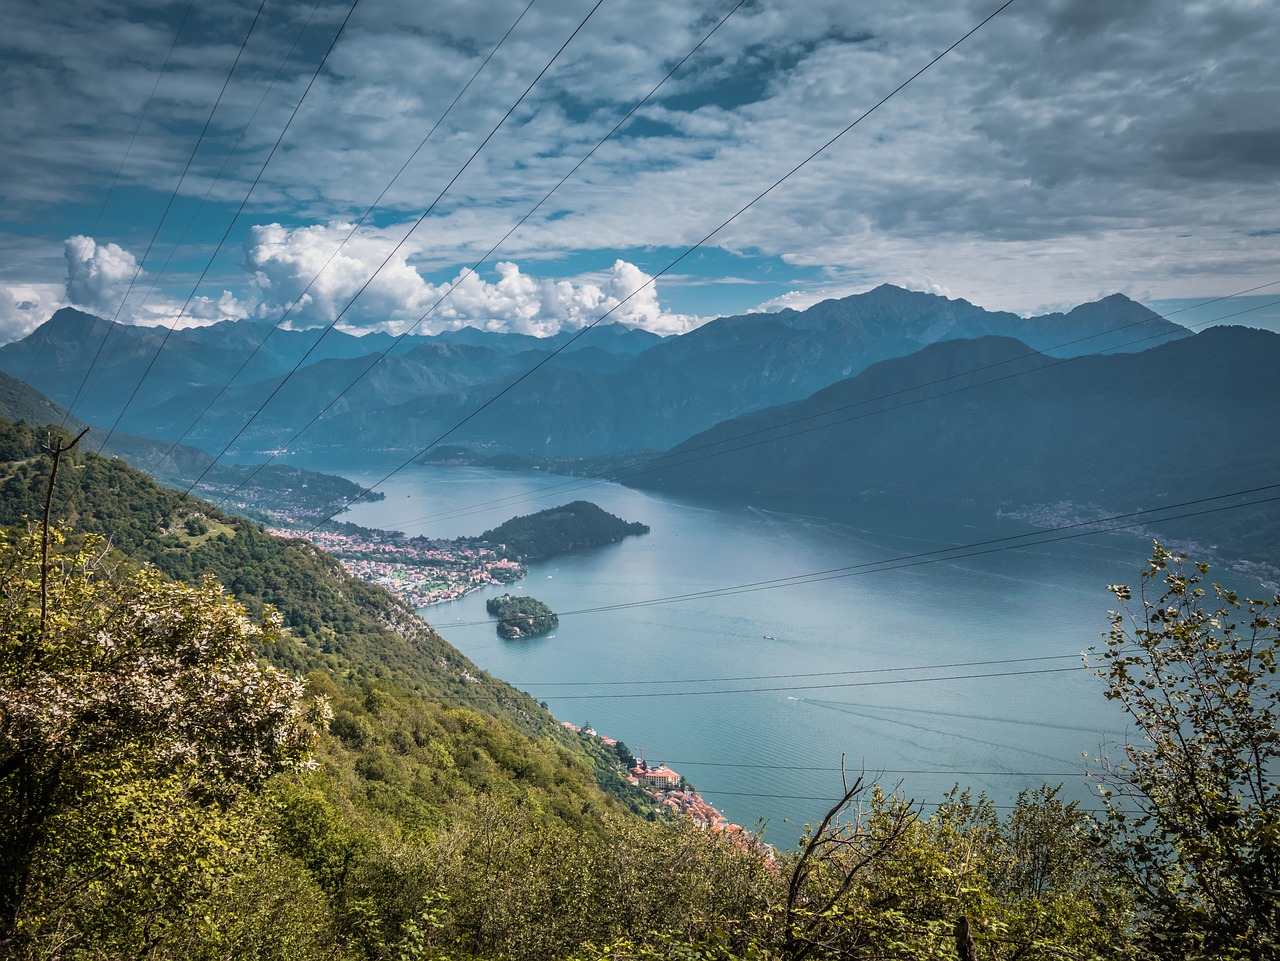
x,y
271,492
992,423
427,759
424,827
558,530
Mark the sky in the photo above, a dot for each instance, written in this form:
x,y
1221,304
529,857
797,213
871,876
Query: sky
x,y
180,163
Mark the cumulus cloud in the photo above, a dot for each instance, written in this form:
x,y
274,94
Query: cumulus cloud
x,y
307,275
98,275
24,307
211,310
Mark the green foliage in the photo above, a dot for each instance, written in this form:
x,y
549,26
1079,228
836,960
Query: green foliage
x,y
136,735
878,879
154,803
558,530
332,621
1195,806
521,616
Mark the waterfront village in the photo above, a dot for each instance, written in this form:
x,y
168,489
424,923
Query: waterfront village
x,y
668,788
420,571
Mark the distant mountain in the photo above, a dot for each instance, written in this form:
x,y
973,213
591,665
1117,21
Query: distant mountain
x,y
19,401
272,491
613,389
430,369
726,368
988,422
609,338
77,357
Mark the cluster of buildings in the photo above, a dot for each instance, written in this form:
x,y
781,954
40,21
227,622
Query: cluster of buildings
x,y
667,787
420,572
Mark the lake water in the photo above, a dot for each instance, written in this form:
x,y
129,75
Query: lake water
x,y
756,696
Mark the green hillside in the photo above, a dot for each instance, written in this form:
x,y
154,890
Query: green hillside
x,y
168,790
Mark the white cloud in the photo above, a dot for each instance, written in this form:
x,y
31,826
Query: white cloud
x,y
794,300
211,310
24,307
98,275
310,275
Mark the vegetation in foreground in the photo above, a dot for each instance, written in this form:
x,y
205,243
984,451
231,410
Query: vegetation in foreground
x,y
166,794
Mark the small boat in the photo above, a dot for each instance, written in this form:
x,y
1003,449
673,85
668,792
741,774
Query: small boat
x,y
769,637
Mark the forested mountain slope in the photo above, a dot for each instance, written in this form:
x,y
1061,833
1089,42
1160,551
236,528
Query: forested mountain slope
x,y
993,423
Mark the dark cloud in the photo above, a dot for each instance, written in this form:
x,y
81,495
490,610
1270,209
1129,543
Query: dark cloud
x,y
1251,155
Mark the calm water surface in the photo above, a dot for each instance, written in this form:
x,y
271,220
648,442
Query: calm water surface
x,y
757,696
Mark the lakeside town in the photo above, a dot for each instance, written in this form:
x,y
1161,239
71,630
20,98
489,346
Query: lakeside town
x,y
425,571
420,571
666,787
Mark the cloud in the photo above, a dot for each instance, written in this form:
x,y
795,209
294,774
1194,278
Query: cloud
x,y
24,307
307,276
1061,142
98,275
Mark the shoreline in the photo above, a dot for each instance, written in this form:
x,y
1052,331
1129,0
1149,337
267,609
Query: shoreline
x,y
683,799
420,572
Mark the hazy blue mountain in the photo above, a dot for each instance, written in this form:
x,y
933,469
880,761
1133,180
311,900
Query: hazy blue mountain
x,y
609,338
983,421
429,369
57,356
20,402
725,368
613,389
260,493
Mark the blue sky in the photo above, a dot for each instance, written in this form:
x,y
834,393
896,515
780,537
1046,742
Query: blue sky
x,y
1068,150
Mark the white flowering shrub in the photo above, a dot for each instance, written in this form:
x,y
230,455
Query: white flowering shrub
x,y
108,678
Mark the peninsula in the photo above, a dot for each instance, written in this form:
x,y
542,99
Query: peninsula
x,y
423,570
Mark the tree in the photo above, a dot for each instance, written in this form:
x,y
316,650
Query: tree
x,y
1195,805
128,694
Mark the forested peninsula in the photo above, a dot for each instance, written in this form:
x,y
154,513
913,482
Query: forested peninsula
x,y
558,530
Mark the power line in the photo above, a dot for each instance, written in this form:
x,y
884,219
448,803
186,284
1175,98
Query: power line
x,y
653,465
672,264
395,250
778,677
168,206
378,358
214,181
819,687
102,209
360,222
387,260
243,203
884,410
878,771
834,798
951,553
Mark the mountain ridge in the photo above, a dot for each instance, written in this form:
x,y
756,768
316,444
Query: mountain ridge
x,y
613,390
958,421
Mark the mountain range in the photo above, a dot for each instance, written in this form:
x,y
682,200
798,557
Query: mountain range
x,y
610,389
1106,408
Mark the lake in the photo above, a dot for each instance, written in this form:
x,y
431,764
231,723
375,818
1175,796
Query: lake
x,y
757,696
